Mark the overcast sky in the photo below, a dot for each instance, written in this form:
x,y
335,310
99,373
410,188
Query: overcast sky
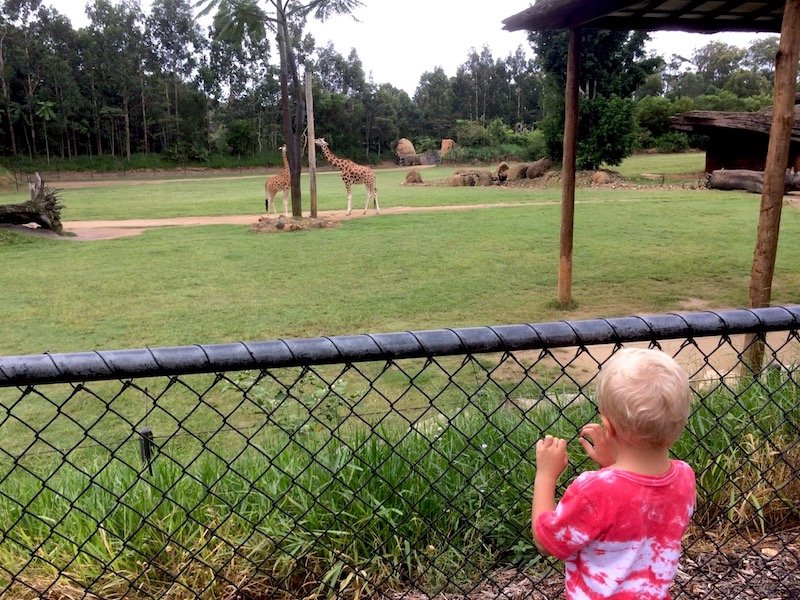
x,y
397,42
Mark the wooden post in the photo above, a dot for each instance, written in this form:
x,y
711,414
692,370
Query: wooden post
x,y
312,147
769,220
568,169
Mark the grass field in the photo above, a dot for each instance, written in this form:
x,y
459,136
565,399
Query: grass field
x,y
638,249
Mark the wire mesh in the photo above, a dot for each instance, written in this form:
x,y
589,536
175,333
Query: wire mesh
x,y
394,466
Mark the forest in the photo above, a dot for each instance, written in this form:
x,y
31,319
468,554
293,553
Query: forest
x,y
133,86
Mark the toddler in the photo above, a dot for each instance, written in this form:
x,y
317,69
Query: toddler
x,y
619,529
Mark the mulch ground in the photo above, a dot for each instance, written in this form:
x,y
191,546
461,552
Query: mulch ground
x,y
765,569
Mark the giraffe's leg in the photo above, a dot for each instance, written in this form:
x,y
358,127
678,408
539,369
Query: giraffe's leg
x,y
285,202
349,198
270,201
375,197
369,197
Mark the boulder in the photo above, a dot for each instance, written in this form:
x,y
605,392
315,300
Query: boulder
x,y
473,177
502,172
413,176
447,145
538,168
404,147
518,172
601,178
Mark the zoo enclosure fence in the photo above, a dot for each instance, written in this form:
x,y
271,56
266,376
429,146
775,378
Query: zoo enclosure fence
x,y
393,465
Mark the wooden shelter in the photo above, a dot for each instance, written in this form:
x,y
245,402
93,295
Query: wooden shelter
x,y
680,15
737,140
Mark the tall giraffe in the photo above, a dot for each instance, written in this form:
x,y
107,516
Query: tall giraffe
x,y
274,184
352,173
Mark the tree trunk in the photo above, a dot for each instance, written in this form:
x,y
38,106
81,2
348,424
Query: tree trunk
x,y
777,158
571,109
750,181
290,133
44,208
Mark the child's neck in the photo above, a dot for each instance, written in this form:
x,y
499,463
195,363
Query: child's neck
x,y
643,461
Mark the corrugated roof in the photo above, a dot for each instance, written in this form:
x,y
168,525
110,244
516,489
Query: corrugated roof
x,y
705,16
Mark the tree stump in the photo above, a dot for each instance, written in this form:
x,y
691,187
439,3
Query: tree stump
x,y
44,208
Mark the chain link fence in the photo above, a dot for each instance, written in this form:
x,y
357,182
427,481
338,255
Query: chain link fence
x,y
396,466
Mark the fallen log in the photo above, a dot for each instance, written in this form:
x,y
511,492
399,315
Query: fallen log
x,y
44,208
750,181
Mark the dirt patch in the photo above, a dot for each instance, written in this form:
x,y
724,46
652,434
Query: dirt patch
x,y
282,224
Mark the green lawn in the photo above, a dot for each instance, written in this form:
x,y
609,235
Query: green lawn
x,y
636,251
688,165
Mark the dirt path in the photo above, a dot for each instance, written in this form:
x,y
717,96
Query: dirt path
x,y
110,229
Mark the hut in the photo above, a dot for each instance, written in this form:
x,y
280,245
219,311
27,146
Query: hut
x,y
737,140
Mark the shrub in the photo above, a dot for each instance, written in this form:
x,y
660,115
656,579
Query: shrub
x,y
674,141
499,132
472,133
607,132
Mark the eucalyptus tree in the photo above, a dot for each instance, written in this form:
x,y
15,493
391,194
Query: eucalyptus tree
x,y
239,62
8,40
178,42
60,102
286,19
116,31
716,62
435,100
524,89
23,14
385,126
475,87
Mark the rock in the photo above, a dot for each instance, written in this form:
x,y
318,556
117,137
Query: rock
x,y
413,176
517,172
539,168
601,178
447,145
404,147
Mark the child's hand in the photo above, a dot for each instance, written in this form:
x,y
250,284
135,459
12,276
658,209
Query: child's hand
x,y
551,457
599,446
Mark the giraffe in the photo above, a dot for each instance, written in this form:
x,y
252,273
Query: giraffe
x,y
352,173
276,183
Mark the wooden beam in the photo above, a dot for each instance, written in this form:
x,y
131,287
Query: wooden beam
x,y
568,168
312,147
777,157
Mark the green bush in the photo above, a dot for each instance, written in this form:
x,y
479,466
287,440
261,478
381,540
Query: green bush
x,y
674,141
472,134
426,144
499,132
533,143
607,132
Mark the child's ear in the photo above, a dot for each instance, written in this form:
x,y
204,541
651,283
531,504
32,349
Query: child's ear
x,y
608,426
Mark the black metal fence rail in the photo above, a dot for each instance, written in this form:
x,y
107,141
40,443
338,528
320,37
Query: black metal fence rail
x,y
393,465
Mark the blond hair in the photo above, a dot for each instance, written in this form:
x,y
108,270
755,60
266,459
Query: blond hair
x,y
645,395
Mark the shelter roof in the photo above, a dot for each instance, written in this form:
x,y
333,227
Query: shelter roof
x,y
703,16
706,122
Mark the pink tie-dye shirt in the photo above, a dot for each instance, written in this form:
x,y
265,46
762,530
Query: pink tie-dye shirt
x,y
619,533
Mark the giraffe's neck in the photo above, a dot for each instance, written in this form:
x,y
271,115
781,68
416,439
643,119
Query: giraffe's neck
x,y
332,158
285,160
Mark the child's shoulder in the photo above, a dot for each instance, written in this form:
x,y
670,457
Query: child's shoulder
x,y
590,480
613,478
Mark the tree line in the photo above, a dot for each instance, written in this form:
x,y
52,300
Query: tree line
x,y
130,84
